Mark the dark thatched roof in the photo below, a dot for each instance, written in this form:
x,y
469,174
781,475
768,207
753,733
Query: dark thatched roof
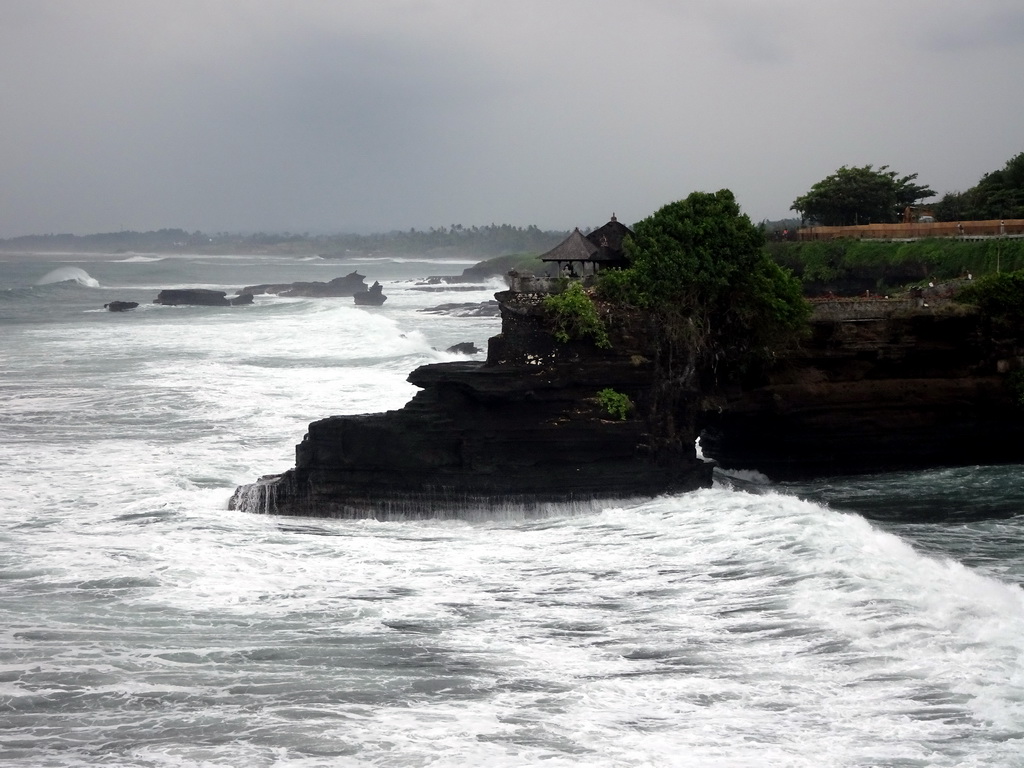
x,y
574,248
610,235
602,246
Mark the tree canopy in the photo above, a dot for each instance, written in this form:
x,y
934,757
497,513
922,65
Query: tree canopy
x,y
860,195
719,300
999,195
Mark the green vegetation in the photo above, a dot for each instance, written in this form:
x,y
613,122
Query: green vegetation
x,y
1000,296
894,264
999,195
615,403
718,300
575,316
860,195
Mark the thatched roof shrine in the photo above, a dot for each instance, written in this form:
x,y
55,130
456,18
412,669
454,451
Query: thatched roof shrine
x,y
600,249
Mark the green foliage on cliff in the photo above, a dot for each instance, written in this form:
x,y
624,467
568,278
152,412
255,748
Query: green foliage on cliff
x,y
615,403
575,316
719,300
894,263
999,296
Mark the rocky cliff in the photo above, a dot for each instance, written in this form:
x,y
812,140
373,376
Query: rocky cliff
x,y
522,428
878,386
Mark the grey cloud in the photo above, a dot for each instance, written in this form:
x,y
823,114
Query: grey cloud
x,y
369,115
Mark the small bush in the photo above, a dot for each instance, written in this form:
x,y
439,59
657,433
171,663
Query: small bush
x,y
615,403
575,316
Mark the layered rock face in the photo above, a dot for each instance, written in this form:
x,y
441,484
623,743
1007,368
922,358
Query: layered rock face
x,y
878,388
524,427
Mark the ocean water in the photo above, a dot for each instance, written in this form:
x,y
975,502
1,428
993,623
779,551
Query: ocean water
x,y
870,621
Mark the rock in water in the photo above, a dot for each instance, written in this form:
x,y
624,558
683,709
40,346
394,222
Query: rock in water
x,y
197,296
373,297
121,306
463,348
349,285
201,297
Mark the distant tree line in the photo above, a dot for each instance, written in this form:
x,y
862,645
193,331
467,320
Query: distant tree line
x,y
486,241
490,240
126,240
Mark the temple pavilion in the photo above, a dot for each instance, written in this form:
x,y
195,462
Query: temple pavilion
x,y
601,249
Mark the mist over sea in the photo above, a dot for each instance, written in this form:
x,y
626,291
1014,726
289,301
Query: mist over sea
x,y
867,621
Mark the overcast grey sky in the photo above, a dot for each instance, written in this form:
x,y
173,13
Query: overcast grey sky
x,y
246,115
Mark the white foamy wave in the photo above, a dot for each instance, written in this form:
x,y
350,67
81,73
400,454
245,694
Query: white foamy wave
x,y
740,477
69,274
411,260
137,259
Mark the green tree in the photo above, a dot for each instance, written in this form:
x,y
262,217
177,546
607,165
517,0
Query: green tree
x,y
998,195
860,195
718,301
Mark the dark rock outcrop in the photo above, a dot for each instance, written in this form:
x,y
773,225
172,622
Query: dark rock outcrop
x,y
522,428
201,297
373,297
463,348
879,386
349,285
121,306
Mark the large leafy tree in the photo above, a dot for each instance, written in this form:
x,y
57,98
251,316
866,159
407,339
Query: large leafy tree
x,y
999,195
860,195
719,302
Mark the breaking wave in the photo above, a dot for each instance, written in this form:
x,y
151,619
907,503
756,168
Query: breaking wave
x,y
69,275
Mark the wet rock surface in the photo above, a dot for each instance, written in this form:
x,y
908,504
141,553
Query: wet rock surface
x,y
910,390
